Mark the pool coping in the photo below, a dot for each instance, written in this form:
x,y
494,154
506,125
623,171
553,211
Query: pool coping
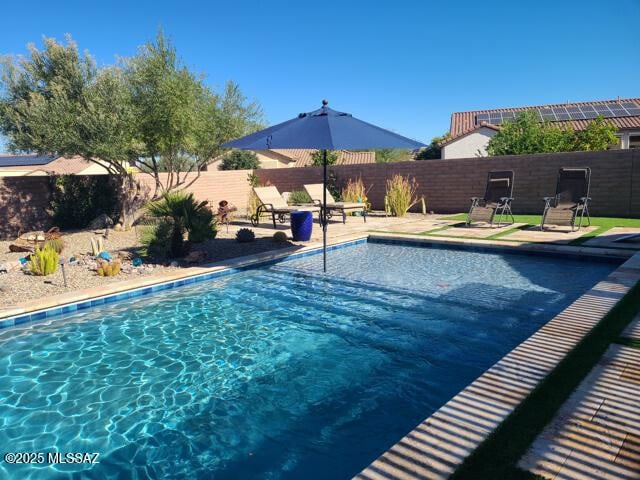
x,y
439,445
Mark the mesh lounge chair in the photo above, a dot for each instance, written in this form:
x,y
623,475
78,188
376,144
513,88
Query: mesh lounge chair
x,y
272,202
497,199
314,190
571,201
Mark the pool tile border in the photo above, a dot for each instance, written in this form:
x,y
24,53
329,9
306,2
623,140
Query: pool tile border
x,y
439,445
124,291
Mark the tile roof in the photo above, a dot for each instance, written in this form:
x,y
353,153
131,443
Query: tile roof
x,y
302,157
463,123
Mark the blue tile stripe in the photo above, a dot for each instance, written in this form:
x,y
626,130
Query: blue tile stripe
x,y
141,291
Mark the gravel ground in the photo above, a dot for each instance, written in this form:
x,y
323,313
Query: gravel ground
x,y
18,287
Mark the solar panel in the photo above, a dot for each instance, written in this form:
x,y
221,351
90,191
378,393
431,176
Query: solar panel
x,y
562,113
24,160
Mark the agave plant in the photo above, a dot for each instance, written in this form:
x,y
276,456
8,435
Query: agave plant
x,y
182,216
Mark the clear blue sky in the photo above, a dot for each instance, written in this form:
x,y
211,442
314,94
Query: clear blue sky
x,y
405,65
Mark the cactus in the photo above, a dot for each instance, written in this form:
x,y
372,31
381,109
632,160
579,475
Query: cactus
x,y
97,245
44,261
55,243
109,269
280,237
245,235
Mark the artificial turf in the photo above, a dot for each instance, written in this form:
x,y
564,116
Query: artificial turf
x,y
497,457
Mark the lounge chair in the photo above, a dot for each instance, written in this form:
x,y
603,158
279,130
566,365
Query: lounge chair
x,y
497,199
314,190
571,201
270,201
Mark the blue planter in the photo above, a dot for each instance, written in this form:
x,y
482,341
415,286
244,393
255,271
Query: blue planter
x,y
301,225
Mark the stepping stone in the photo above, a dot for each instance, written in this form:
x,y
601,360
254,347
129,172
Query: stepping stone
x,y
552,235
475,231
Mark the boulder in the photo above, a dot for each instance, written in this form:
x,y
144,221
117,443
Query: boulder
x,y
100,222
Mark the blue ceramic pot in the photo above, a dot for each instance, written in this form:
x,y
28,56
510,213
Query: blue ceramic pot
x,y
301,225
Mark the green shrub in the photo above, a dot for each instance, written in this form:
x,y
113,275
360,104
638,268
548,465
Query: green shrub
x,y
77,199
245,235
317,158
401,195
299,197
240,160
180,215
280,237
44,261
157,239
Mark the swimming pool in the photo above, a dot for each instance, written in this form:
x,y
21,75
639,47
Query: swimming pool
x,y
273,372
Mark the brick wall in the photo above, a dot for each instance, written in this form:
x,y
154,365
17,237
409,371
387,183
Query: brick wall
x,y
448,184
24,201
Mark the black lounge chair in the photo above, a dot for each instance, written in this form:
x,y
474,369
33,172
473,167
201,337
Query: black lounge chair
x,y
496,201
571,201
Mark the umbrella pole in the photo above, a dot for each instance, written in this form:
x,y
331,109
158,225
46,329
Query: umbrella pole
x,y
323,214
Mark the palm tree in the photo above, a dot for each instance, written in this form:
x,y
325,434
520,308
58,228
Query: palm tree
x,y
181,214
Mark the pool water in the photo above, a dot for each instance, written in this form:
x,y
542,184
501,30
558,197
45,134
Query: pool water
x,y
278,372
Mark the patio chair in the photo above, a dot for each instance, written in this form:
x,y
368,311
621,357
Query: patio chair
x,y
314,190
270,201
571,201
497,199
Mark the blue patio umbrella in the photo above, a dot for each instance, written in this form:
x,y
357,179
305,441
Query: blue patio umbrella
x,y
324,129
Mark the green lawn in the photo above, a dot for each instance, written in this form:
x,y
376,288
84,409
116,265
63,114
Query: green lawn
x,y
603,224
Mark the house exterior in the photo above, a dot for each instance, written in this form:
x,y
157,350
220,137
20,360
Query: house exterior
x,y
471,131
301,157
41,165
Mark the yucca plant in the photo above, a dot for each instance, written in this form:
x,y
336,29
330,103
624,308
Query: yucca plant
x,y
187,218
401,195
44,261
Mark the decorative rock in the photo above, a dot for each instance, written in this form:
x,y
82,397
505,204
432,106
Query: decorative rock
x,y
136,262
105,256
101,221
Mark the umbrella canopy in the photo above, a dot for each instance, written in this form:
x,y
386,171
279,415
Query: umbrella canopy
x,y
324,129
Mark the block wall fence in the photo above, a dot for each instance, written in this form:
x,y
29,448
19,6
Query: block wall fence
x,y
446,184
24,201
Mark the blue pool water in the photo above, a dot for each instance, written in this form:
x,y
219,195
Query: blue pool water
x,y
272,373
